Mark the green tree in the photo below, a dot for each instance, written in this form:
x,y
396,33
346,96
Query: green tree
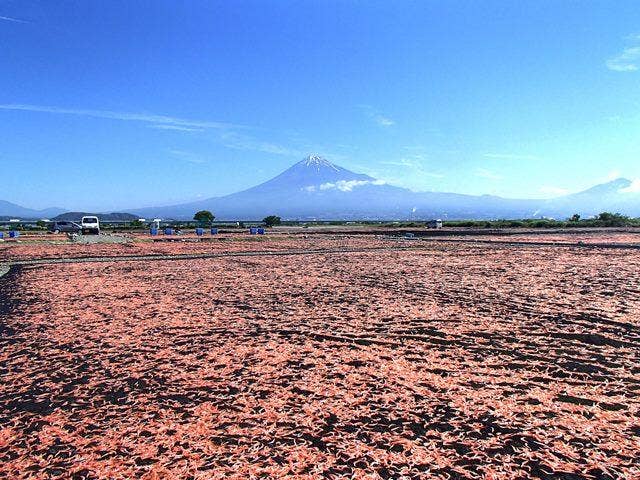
x,y
272,220
204,217
574,218
608,219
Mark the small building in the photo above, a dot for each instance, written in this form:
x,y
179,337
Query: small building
x,y
434,223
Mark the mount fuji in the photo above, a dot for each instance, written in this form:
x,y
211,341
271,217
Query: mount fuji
x,y
315,188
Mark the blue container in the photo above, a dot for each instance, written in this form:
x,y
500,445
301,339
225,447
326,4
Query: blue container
x,y
199,231
253,231
168,231
153,231
261,231
14,234
214,231
1,235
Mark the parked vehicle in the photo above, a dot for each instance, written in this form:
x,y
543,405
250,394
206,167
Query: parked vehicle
x,y
90,224
66,227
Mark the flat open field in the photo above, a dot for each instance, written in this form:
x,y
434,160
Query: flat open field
x,y
141,244
445,360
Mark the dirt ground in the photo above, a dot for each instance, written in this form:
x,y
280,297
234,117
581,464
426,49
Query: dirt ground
x,y
444,361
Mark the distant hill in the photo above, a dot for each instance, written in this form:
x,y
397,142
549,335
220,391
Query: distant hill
x,y
103,217
315,188
11,210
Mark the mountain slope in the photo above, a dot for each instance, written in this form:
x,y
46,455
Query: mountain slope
x,y
8,209
619,195
315,188
103,217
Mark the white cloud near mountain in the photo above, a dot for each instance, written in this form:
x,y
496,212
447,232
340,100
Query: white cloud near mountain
x,y
343,185
633,188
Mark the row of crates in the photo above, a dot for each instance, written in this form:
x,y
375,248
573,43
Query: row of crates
x,y
12,234
171,231
201,231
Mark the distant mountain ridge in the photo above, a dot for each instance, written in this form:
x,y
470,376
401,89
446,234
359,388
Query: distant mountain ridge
x,y
8,209
315,188
103,217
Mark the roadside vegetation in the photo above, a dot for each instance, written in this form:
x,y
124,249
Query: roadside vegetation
x,y
604,219
206,218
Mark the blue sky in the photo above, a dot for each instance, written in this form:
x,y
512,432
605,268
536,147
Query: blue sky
x,y
108,105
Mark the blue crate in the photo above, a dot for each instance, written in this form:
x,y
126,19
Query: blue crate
x,y
260,231
199,231
253,231
168,231
14,234
214,231
153,231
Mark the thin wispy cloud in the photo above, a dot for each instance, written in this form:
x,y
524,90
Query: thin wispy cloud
x,y
414,163
411,160
228,134
376,116
510,156
124,116
488,174
629,59
417,168
403,162
189,157
383,121
239,141
177,128
14,20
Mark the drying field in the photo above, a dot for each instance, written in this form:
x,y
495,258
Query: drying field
x,y
444,361
146,245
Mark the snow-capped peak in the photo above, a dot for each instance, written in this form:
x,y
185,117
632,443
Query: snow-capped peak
x,y
318,162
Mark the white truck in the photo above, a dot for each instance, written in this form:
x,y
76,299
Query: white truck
x,y
90,224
